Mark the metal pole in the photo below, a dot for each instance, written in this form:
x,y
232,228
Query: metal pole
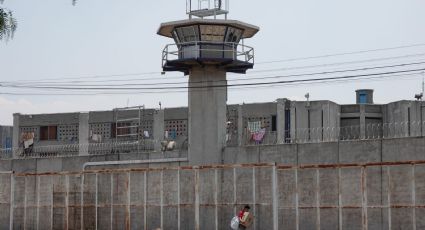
x,y
364,198
254,199
25,202
339,200
197,219
67,202
414,196
96,201
216,198
37,190
112,201
234,191
318,198
178,199
145,201
82,201
389,197
162,199
51,205
12,200
128,225
197,224
275,199
297,211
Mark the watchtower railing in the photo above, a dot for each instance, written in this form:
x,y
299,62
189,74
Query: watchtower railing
x,y
207,50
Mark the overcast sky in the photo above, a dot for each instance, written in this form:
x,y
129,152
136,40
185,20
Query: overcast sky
x,y
109,37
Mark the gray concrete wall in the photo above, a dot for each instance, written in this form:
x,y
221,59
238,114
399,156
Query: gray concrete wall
x,y
309,118
361,151
208,197
48,119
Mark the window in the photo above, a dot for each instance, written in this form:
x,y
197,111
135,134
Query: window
x,y
362,98
212,33
48,133
274,123
287,126
233,35
122,130
187,34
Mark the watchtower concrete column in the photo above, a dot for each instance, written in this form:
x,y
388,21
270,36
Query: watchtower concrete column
x,y
207,114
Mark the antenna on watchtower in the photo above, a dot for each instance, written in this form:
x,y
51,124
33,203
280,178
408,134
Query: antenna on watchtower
x,y
207,8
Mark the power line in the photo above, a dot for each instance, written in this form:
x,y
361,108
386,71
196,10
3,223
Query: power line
x,y
342,54
258,63
373,78
108,87
247,84
237,79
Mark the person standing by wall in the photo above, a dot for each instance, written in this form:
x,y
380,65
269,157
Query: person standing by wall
x,y
245,218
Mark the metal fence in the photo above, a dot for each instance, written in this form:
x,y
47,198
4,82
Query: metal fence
x,y
347,133
66,150
346,196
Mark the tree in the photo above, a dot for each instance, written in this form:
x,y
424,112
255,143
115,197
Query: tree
x,y
8,24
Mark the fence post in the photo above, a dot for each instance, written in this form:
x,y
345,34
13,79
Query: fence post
x,y
197,225
254,199
297,211
145,196
318,198
389,197
216,197
178,199
67,202
414,196
97,200
364,198
339,200
12,200
275,199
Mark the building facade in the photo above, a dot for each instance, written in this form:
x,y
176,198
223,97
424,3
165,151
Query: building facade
x,y
280,122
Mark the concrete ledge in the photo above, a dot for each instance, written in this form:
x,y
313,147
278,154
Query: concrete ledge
x,y
320,153
360,151
24,166
403,149
5,165
284,154
49,165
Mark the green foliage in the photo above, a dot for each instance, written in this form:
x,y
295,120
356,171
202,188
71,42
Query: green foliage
x,y
8,24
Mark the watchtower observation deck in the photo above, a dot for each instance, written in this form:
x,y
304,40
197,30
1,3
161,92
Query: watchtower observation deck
x,y
200,41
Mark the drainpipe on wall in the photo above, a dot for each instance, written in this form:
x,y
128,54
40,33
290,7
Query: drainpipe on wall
x,y
130,162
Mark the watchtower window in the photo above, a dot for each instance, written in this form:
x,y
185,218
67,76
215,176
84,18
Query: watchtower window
x,y
187,34
233,35
212,33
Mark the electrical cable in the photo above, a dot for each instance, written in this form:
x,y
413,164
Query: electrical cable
x,y
108,87
234,85
376,78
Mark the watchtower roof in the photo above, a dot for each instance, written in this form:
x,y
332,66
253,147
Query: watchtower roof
x,y
167,28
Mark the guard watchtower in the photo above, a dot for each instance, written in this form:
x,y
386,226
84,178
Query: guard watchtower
x,y
206,48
